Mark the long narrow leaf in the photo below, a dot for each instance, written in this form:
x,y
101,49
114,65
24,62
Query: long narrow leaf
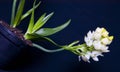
x,y
51,31
29,11
13,12
19,13
31,23
41,22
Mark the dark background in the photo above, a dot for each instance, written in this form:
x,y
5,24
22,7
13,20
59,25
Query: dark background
x,y
85,15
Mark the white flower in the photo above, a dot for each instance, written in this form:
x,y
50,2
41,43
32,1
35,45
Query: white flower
x,y
98,30
95,55
102,31
97,36
99,39
86,57
89,39
99,46
96,43
106,41
98,33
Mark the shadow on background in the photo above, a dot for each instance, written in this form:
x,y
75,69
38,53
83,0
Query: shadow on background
x,y
85,15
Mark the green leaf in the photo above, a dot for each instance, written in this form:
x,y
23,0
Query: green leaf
x,y
50,40
13,12
50,31
19,13
29,11
41,21
73,43
37,37
31,23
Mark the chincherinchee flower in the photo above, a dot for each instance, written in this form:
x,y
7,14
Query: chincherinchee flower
x,y
98,40
96,43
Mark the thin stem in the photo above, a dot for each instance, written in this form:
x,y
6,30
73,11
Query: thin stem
x,y
75,42
46,50
13,12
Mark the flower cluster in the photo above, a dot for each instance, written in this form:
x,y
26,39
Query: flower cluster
x,y
96,43
99,40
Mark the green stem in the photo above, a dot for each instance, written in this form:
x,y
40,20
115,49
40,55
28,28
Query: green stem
x,y
46,50
13,12
75,42
78,49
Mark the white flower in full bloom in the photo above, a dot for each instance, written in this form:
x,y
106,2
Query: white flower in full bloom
x,y
96,43
99,39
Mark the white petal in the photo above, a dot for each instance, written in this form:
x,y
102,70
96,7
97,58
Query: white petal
x,y
104,48
89,34
88,41
86,57
98,30
106,51
96,53
105,33
97,45
97,36
95,58
105,41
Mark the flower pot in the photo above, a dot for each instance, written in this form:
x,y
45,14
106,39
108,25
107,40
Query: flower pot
x,y
10,45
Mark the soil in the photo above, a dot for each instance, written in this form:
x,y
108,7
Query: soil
x,y
17,32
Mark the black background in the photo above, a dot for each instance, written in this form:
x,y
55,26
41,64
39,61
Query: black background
x,y
85,15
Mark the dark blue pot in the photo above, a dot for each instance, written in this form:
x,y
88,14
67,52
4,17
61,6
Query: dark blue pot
x,y
10,46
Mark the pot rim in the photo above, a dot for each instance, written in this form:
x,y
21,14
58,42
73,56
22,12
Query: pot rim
x,y
11,36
